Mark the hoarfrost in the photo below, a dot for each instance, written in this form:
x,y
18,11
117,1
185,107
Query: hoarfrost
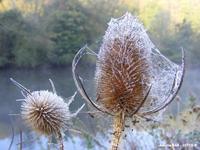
x,y
161,71
162,75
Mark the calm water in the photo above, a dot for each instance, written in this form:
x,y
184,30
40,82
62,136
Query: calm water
x,y
62,77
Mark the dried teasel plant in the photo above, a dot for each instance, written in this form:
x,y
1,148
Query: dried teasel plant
x,y
186,121
132,77
45,112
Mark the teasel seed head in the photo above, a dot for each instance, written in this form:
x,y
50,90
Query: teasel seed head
x,y
123,66
46,112
132,77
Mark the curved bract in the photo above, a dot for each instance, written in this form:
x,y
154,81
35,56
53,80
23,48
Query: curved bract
x,y
78,81
177,82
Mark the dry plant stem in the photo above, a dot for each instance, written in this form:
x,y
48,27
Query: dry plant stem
x,y
20,137
118,129
60,141
170,143
172,146
49,143
13,135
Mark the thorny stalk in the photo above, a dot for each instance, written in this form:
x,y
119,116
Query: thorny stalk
x,y
13,135
60,141
20,137
118,129
49,142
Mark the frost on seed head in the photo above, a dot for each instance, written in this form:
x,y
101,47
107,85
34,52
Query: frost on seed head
x,y
129,63
46,112
133,79
126,28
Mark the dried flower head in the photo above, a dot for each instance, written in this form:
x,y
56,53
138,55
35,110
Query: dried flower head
x,y
46,112
132,77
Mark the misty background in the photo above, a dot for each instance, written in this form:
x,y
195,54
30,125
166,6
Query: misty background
x,y
39,38
35,33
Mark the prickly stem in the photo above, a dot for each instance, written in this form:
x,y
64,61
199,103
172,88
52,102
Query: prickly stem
x,y
20,137
60,141
118,129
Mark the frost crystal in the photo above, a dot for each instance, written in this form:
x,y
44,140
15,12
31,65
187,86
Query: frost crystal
x,y
128,64
46,112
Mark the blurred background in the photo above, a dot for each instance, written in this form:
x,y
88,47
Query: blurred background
x,y
38,40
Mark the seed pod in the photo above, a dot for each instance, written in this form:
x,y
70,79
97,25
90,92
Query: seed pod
x,y
123,66
46,112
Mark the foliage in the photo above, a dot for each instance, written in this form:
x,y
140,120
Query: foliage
x,y
69,30
37,33
10,22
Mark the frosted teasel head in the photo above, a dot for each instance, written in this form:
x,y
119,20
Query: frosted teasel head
x,y
127,58
44,111
132,77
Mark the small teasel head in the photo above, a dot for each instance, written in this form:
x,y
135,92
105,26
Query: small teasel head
x,y
44,111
